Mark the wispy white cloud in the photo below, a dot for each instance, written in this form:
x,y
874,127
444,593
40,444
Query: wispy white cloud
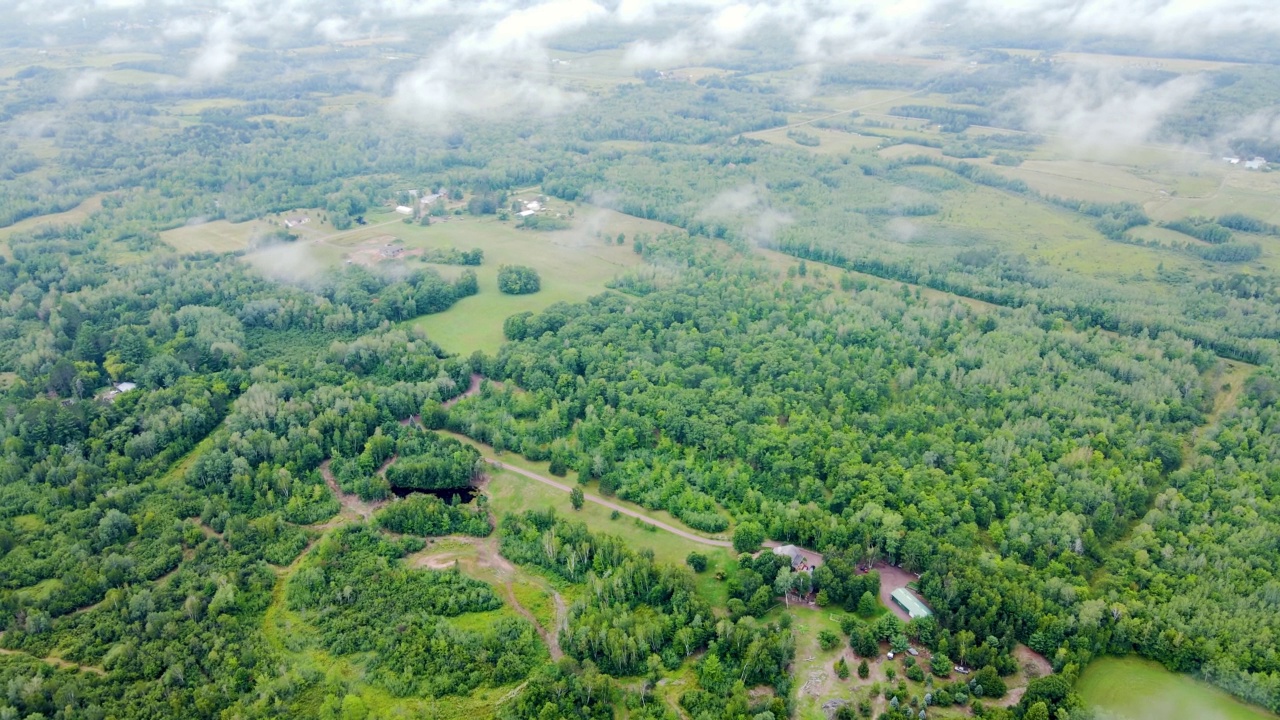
x,y
1097,110
495,68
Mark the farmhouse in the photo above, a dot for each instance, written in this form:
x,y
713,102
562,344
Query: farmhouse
x,y
908,601
404,209
798,560
1231,160
294,222
527,213
1255,164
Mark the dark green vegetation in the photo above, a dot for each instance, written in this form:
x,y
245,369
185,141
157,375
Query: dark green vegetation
x,y
361,599
1068,445
429,515
929,436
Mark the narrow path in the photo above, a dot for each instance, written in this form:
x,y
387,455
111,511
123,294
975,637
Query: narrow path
x,y
488,556
57,662
472,389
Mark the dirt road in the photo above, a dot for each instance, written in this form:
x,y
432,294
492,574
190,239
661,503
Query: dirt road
x,y
892,578
813,558
474,388
612,505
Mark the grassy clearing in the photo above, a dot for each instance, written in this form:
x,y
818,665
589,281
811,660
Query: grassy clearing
x,y
218,236
1059,237
832,142
1083,180
573,264
74,216
1135,689
536,600
137,77
1176,65
513,493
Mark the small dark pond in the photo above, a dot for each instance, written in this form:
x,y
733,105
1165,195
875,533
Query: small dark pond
x,y
465,495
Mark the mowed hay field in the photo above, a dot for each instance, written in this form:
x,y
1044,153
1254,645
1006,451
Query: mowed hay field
x,y
574,265
218,236
1135,689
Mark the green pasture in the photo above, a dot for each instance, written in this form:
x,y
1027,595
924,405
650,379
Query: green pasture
x,y
1131,688
573,264
73,216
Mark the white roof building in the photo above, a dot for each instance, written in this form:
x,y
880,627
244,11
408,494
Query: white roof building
x,y
1256,164
404,210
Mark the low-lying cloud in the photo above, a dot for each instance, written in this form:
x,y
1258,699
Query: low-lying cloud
x,y
485,71
747,209
497,60
1097,110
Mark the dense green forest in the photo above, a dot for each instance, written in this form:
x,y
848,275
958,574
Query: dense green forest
x,y
239,480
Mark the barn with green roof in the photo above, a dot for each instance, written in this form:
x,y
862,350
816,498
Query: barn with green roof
x,y
908,601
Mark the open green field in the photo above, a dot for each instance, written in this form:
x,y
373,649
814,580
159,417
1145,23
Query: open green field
x,y
574,264
218,236
1134,689
832,142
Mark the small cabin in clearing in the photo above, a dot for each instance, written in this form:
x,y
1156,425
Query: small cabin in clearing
x,y
798,561
908,601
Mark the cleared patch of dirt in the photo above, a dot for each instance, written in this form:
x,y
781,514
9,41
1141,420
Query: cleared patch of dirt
x,y
456,548
1033,664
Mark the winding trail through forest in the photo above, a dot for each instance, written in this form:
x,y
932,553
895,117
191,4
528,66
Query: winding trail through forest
x,y
350,502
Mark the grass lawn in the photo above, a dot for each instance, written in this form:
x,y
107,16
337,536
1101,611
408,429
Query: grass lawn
x,y
1135,689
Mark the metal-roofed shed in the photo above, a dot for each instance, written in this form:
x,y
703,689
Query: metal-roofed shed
x,y
914,606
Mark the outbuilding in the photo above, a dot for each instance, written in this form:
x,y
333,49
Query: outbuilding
x,y
908,601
